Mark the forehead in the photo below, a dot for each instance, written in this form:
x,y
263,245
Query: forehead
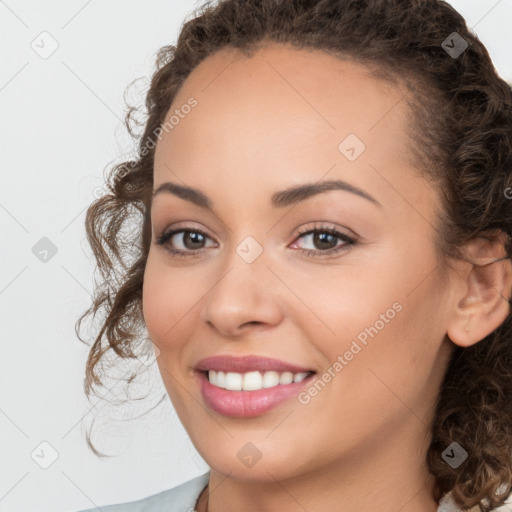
x,y
281,116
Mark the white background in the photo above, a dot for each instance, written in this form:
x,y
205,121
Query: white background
x,y
61,128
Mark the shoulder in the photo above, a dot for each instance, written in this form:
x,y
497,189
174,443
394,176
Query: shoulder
x,y
181,498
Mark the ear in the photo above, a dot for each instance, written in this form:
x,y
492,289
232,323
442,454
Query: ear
x,y
483,303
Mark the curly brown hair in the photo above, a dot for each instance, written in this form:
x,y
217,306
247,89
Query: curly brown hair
x,y
463,138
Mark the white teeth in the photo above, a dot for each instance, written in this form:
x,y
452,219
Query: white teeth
x,y
286,378
252,381
234,381
270,379
221,379
298,377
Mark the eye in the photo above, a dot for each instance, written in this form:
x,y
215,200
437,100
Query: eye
x,y
189,241
327,239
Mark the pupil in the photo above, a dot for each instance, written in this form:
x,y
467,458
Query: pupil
x,y
193,237
320,240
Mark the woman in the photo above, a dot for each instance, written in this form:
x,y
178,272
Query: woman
x,y
322,259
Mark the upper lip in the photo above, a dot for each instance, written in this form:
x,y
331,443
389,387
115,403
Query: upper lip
x,y
226,363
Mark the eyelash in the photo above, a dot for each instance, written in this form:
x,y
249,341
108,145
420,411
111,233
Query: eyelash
x,y
163,238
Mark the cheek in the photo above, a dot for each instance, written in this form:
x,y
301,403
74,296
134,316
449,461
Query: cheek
x,y
165,306
163,303
383,332
171,304
339,305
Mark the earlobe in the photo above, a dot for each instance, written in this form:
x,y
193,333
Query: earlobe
x,y
486,302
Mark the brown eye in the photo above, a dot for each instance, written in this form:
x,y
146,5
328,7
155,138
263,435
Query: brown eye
x,y
191,239
325,241
183,241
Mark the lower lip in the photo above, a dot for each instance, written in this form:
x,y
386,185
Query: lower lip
x,y
246,404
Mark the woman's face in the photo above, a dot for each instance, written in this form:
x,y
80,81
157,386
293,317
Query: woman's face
x,y
254,278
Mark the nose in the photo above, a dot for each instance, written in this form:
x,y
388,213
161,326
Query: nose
x,y
244,297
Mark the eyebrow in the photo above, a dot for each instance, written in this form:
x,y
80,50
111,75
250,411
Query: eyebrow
x,y
280,199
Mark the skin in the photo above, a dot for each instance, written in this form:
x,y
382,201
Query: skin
x,y
262,125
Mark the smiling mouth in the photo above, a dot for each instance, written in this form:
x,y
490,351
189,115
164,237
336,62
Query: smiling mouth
x,y
254,380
